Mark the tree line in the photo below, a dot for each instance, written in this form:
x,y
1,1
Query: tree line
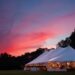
x,y
8,62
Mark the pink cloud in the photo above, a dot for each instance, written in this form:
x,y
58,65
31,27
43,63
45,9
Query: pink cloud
x,y
21,42
62,24
54,28
24,43
28,43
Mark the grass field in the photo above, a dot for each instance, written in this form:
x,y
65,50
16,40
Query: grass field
x,y
15,72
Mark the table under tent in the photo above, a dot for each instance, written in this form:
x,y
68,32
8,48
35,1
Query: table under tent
x,y
59,59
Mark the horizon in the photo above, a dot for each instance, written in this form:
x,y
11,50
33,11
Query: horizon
x,y
26,25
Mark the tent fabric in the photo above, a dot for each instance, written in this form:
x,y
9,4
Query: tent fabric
x,y
66,54
59,54
44,57
36,60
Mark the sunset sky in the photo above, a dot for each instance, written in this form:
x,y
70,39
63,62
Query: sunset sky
x,y
26,25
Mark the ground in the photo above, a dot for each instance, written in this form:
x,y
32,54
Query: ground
x,y
15,72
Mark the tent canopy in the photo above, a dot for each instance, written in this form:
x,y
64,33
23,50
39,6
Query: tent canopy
x,y
38,59
66,54
59,54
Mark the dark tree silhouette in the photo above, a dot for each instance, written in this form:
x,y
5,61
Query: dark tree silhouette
x,y
8,62
72,37
68,41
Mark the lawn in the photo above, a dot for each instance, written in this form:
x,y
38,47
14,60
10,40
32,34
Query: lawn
x,y
15,72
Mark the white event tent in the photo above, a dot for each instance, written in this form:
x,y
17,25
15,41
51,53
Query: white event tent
x,y
58,58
